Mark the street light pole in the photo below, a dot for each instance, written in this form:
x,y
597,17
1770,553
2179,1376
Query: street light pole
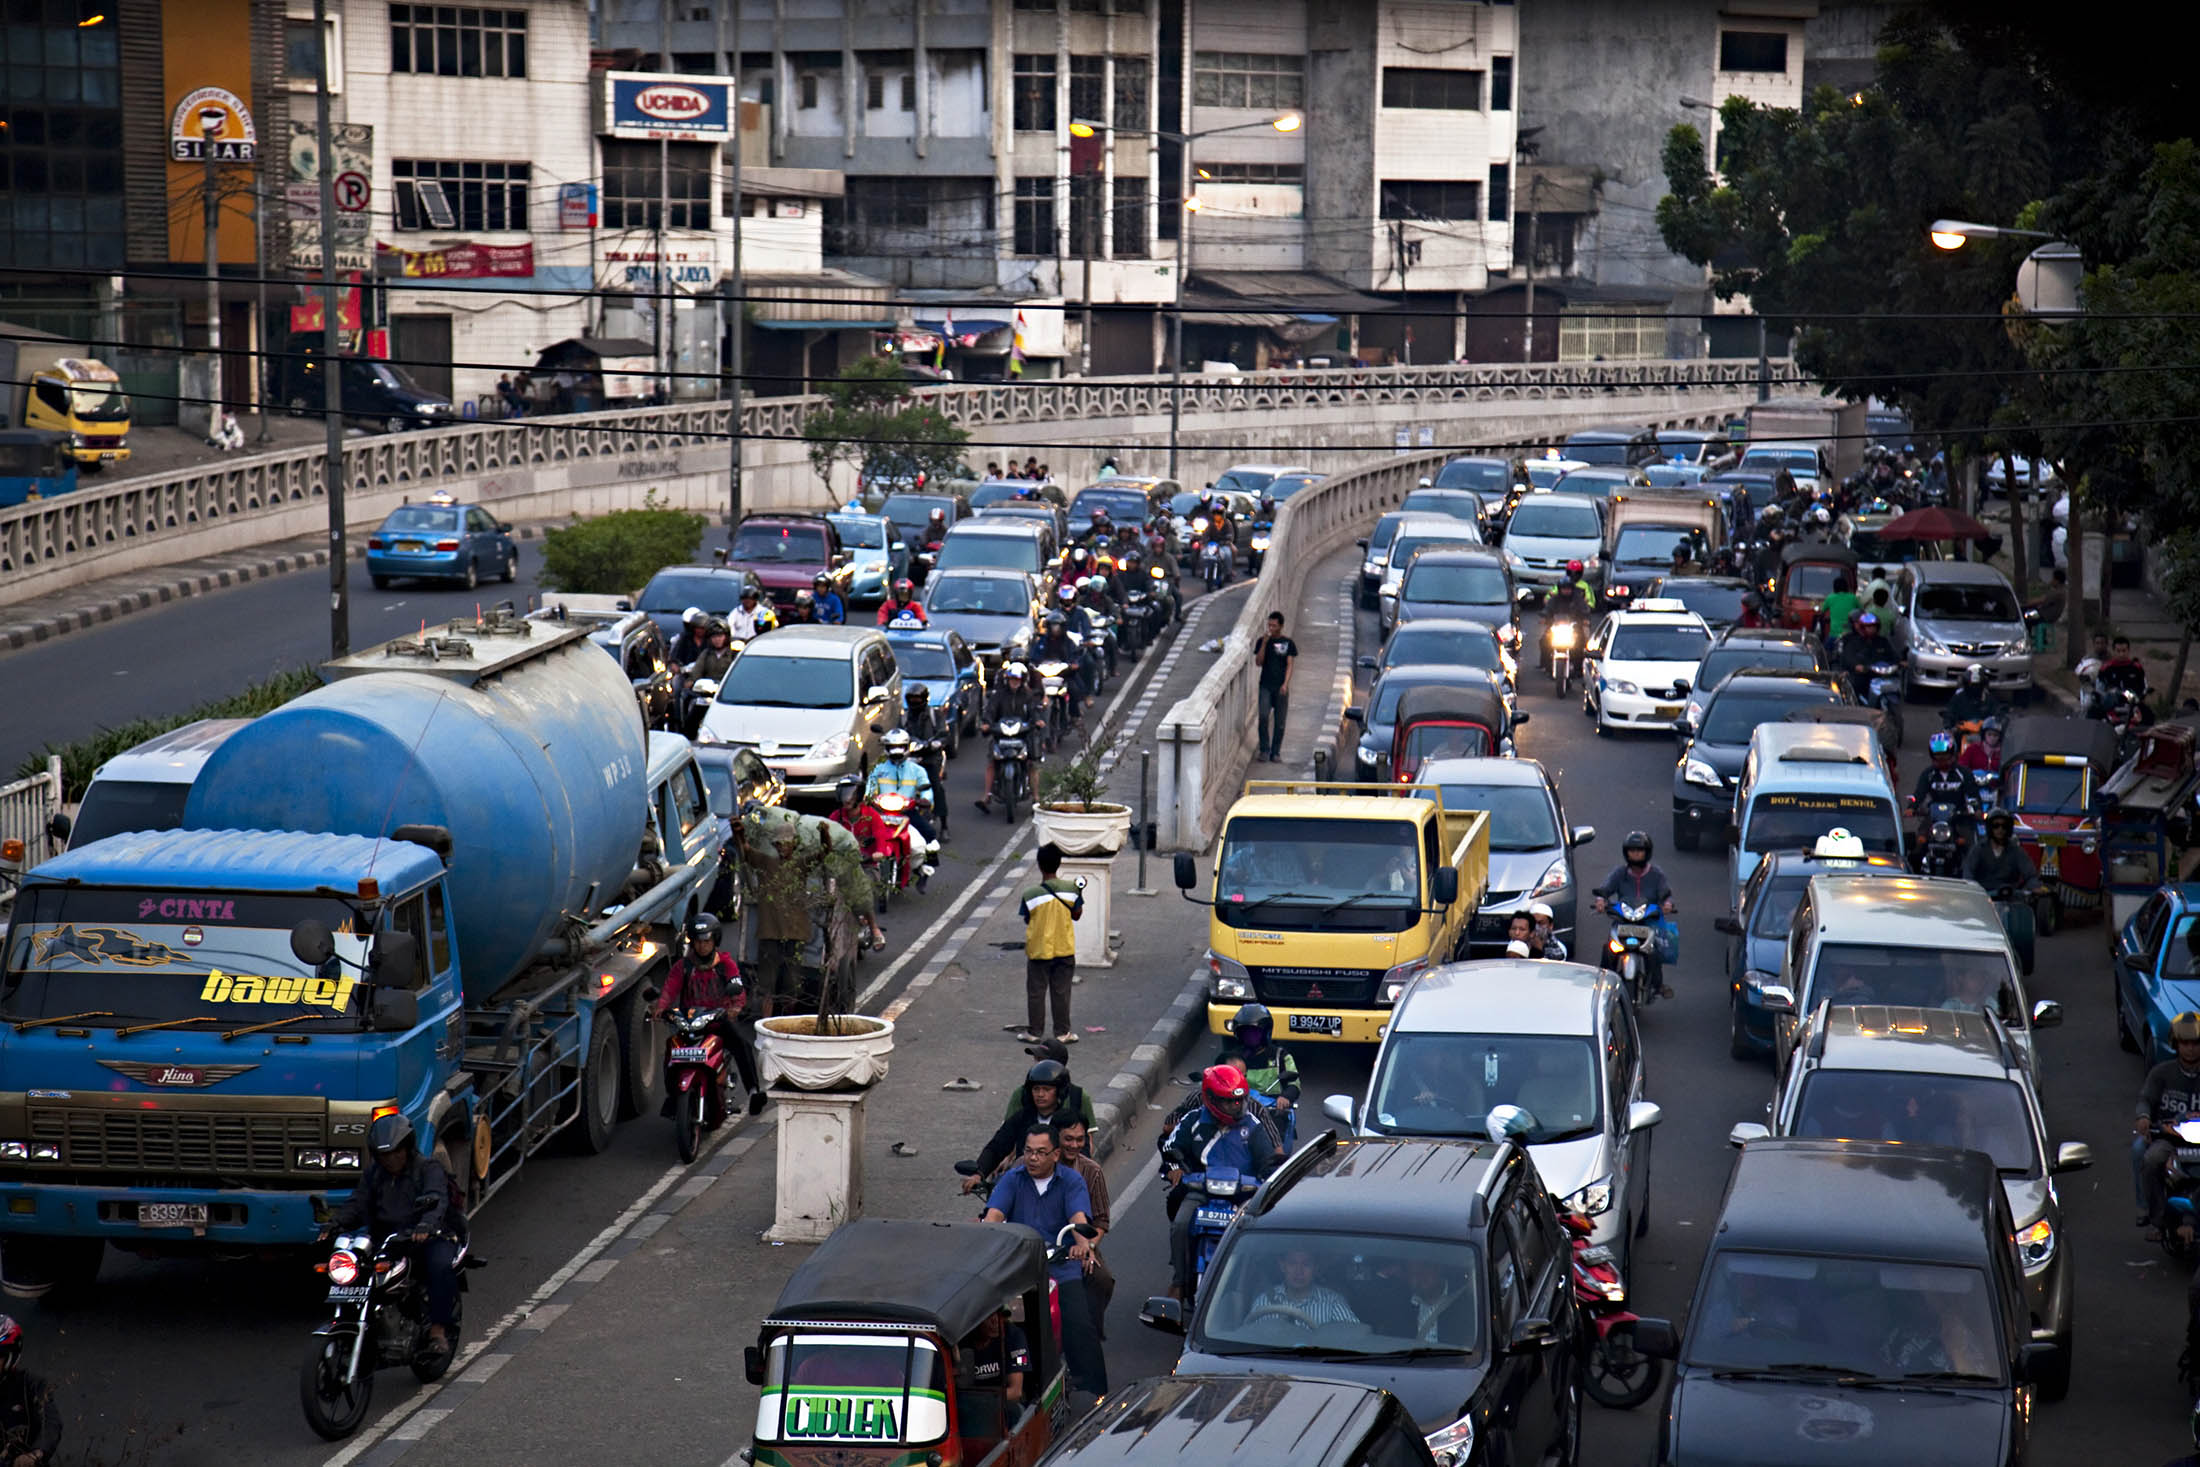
x,y
1185,209
210,123
332,375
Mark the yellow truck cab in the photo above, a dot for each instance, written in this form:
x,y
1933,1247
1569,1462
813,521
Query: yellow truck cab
x,y
1327,898
43,386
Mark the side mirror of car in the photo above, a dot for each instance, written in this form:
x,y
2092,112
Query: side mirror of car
x,y
752,1364
1533,1333
1520,718
1733,833
1339,1109
1361,543
1742,1134
1355,714
1581,835
1445,886
2037,1360
877,693
1681,685
1163,1313
1643,1114
2046,1014
1365,663
1685,727
1726,926
2072,1156
1778,998
1657,1339
1187,871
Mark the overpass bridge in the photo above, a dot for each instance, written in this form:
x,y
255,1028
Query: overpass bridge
x,y
593,463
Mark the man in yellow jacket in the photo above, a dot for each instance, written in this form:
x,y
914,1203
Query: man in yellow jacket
x,y
1051,909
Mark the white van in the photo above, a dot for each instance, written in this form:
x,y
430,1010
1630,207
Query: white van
x,y
144,787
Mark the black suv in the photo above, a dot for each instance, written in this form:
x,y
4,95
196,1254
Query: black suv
x,y
1434,1268
1858,1296
1711,760
1238,1421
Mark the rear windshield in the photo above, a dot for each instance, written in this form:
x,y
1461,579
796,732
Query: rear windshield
x,y
1719,605
1814,579
1520,814
1443,645
1466,509
1124,506
673,590
797,543
1597,450
1733,717
1480,474
984,595
1008,552
1655,544
1454,585
1555,521
1968,603
421,517
912,510
1721,663
1969,1112
1283,486
867,534
1794,460
1401,554
1793,822
1249,481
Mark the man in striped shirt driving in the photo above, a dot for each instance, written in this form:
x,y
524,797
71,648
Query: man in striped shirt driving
x,y
1298,1299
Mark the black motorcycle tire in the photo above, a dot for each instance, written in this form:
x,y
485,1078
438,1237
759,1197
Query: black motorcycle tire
x,y
334,1410
429,1368
687,1124
1617,1375
1012,788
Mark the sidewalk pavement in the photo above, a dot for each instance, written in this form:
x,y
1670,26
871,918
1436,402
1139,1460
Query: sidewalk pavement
x,y
114,597
693,1277
164,450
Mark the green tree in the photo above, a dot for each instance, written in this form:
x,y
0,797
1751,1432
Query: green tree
x,y
875,424
619,552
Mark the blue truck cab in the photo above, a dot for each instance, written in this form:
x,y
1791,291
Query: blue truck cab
x,y
437,885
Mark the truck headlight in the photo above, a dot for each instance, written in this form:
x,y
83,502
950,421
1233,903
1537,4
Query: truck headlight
x,y
343,1160
1452,1445
1594,1200
15,1151
1228,978
45,1151
2036,1245
311,1161
1695,771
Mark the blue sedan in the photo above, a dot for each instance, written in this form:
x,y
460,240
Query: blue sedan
x,y
880,556
2157,973
1757,938
442,541
945,666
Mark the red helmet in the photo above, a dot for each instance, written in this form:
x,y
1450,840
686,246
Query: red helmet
x,y
905,589
1573,567
11,1343
1223,1085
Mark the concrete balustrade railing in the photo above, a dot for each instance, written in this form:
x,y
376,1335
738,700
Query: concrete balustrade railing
x,y
590,463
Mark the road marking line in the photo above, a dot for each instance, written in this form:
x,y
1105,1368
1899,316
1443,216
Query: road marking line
x,y
420,1424
487,1366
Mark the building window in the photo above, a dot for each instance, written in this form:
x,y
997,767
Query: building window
x,y
1034,97
448,40
1501,175
1130,216
61,192
1501,83
1130,93
1291,174
879,206
1088,88
1551,237
1753,51
1612,333
1445,91
1035,216
464,196
882,70
805,87
1441,199
909,92
1247,79
630,185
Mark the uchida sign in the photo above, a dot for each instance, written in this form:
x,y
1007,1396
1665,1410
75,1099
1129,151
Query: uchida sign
x,y
695,109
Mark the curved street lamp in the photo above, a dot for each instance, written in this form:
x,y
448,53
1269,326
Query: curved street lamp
x,y
1952,234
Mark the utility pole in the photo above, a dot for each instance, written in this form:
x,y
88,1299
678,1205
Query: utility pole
x,y
210,126
1764,363
259,291
1527,314
737,333
1091,184
1184,213
332,376
662,314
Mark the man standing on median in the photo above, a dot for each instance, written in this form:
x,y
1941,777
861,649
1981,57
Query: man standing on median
x,y
1051,910
1276,655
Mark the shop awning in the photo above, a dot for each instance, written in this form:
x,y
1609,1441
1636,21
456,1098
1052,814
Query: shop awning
x,y
770,325
1291,292
964,325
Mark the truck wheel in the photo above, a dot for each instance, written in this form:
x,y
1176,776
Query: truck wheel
x,y
600,1091
642,1046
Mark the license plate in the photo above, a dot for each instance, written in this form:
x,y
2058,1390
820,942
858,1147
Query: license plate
x,y
172,1214
1317,1024
689,1052
1218,1216
1491,925
410,547
1629,929
338,1293
1669,710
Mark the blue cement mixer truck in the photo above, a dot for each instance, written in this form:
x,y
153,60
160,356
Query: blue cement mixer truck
x,y
437,885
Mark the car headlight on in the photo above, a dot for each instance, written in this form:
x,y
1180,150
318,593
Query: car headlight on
x,y
1514,559
833,748
1554,878
1620,685
1227,977
1927,642
1452,1445
1695,771
1368,757
427,409
1593,1200
2036,1245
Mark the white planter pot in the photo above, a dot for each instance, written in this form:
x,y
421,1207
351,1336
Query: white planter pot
x,y
854,1058
1100,831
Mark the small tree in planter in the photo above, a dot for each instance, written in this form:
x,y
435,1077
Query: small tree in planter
x,y
804,860
1071,809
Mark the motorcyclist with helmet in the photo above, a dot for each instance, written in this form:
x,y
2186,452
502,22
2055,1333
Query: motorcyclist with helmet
x,y
402,1191
1864,648
1973,701
1638,880
1753,611
706,977
1054,645
689,644
1010,699
852,813
1217,1132
899,773
901,607
717,654
1571,600
1048,1094
831,609
1944,781
751,619
805,608
1267,1066
1998,862
30,1424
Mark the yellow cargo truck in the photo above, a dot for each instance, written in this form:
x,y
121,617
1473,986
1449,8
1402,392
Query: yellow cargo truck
x,y
1327,898
46,382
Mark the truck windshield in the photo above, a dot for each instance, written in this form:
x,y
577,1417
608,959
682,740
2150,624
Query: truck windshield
x,y
1302,875
99,402
845,1387
1655,544
1778,821
144,956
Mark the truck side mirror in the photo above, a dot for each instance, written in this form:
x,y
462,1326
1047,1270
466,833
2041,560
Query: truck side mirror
x,y
311,942
58,828
395,961
1446,885
752,1364
1187,871
393,1010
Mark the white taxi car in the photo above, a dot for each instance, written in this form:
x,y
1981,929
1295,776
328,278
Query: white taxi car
x,y
1641,660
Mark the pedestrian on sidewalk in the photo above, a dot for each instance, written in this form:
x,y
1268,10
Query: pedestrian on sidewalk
x,y
1277,655
1051,909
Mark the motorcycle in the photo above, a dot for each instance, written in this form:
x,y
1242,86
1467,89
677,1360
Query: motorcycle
x,y
1218,1193
1615,1374
1054,685
1884,684
1011,757
2182,1178
1562,636
1138,621
696,1061
1256,549
1214,564
1631,950
1101,639
2126,714
381,1320
695,702
896,860
1940,849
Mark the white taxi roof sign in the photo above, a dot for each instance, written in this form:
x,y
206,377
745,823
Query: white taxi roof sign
x,y
1838,842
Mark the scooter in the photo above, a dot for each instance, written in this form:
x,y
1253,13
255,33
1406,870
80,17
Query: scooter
x,y
381,1320
897,861
696,1061
1214,564
1615,1374
1256,549
1054,685
1562,655
695,702
1940,850
1218,1193
1011,758
1631,950
1884,681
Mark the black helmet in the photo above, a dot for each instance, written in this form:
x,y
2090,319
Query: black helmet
x,y
2000,818
703,925
1254,1016
1974,675
846,785
1638,840
393,1132
917,695
1048,1072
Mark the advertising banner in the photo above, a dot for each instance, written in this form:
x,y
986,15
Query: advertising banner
x,y
681,109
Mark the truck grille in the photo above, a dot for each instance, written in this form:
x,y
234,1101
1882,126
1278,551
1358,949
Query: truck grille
x,y
198,1142
1342,989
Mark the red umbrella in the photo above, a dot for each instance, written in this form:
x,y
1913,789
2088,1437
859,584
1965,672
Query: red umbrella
x,y
1934,523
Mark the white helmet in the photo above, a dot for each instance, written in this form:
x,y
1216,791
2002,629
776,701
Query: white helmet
x,y
693,615
1819,516
1015,669
897,741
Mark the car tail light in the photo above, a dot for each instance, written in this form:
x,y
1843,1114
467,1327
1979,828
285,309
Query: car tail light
x,y
375,542
446,544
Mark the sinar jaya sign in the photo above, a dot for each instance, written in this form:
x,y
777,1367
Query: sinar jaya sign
x,y
212,120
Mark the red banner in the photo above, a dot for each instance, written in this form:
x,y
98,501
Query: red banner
x,y
466,262
307,317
